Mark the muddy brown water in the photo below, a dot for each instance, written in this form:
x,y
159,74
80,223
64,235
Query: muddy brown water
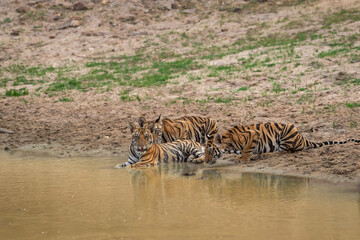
x,y
86,198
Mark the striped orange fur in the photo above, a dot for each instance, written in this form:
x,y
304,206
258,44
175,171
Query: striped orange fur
x,y
262,138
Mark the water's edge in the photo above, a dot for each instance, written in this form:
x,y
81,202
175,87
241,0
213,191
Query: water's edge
x,y
241,168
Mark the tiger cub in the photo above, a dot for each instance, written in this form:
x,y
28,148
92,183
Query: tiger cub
x,y
152,153
134,152
200,129
262,138
166,130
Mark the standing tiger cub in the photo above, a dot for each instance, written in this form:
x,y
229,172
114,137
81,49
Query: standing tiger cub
x,y
199,129
152,153
262,138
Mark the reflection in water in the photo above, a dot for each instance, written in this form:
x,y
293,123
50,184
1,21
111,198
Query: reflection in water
x,y
160,183
165,181
241,188
85,198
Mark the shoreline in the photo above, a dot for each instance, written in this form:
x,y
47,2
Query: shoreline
x,y
264,166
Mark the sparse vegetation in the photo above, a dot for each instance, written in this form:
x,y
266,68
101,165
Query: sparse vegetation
x,y
341,16
6,20
353,104
17,92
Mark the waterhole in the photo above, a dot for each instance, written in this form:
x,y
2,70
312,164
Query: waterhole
x,y
86,198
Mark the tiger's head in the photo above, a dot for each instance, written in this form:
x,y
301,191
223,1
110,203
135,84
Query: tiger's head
x,y
158,128
142,137
154,126
215,150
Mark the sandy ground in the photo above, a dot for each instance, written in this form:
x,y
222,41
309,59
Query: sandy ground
x,y
96,124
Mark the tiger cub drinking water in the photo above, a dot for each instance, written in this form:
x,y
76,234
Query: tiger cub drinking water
x,y
261,138
152,153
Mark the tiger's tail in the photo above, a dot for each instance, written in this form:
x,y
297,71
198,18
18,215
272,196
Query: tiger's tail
x,y
328,143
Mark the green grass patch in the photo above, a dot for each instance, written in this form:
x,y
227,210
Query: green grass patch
x,y
66,99
316,36
21,80
298,90
4,81
122,72
307,97
354,58
65,83
244,88
151,79
16,68
6,20
277,88
252,42
223,100
352,105
227,69
332,53
38,71
125,96
17,92
356,81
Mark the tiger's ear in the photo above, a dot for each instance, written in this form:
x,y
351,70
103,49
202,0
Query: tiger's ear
x,y
150,126
158,120
142,121
132,127
218,139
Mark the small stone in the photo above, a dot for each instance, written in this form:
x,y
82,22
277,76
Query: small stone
x,y
189,11
6,148
175,6
22,9
80,6
51,36
139,33
70,23
187,174
165,4
91,33
57,17
75,23
62,3
15,33
65,25
236,10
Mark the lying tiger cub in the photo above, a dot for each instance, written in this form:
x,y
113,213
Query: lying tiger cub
x,y
152,153
261,138
167,130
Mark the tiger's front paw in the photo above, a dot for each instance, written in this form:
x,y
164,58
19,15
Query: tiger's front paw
x,y
120,165
198,160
